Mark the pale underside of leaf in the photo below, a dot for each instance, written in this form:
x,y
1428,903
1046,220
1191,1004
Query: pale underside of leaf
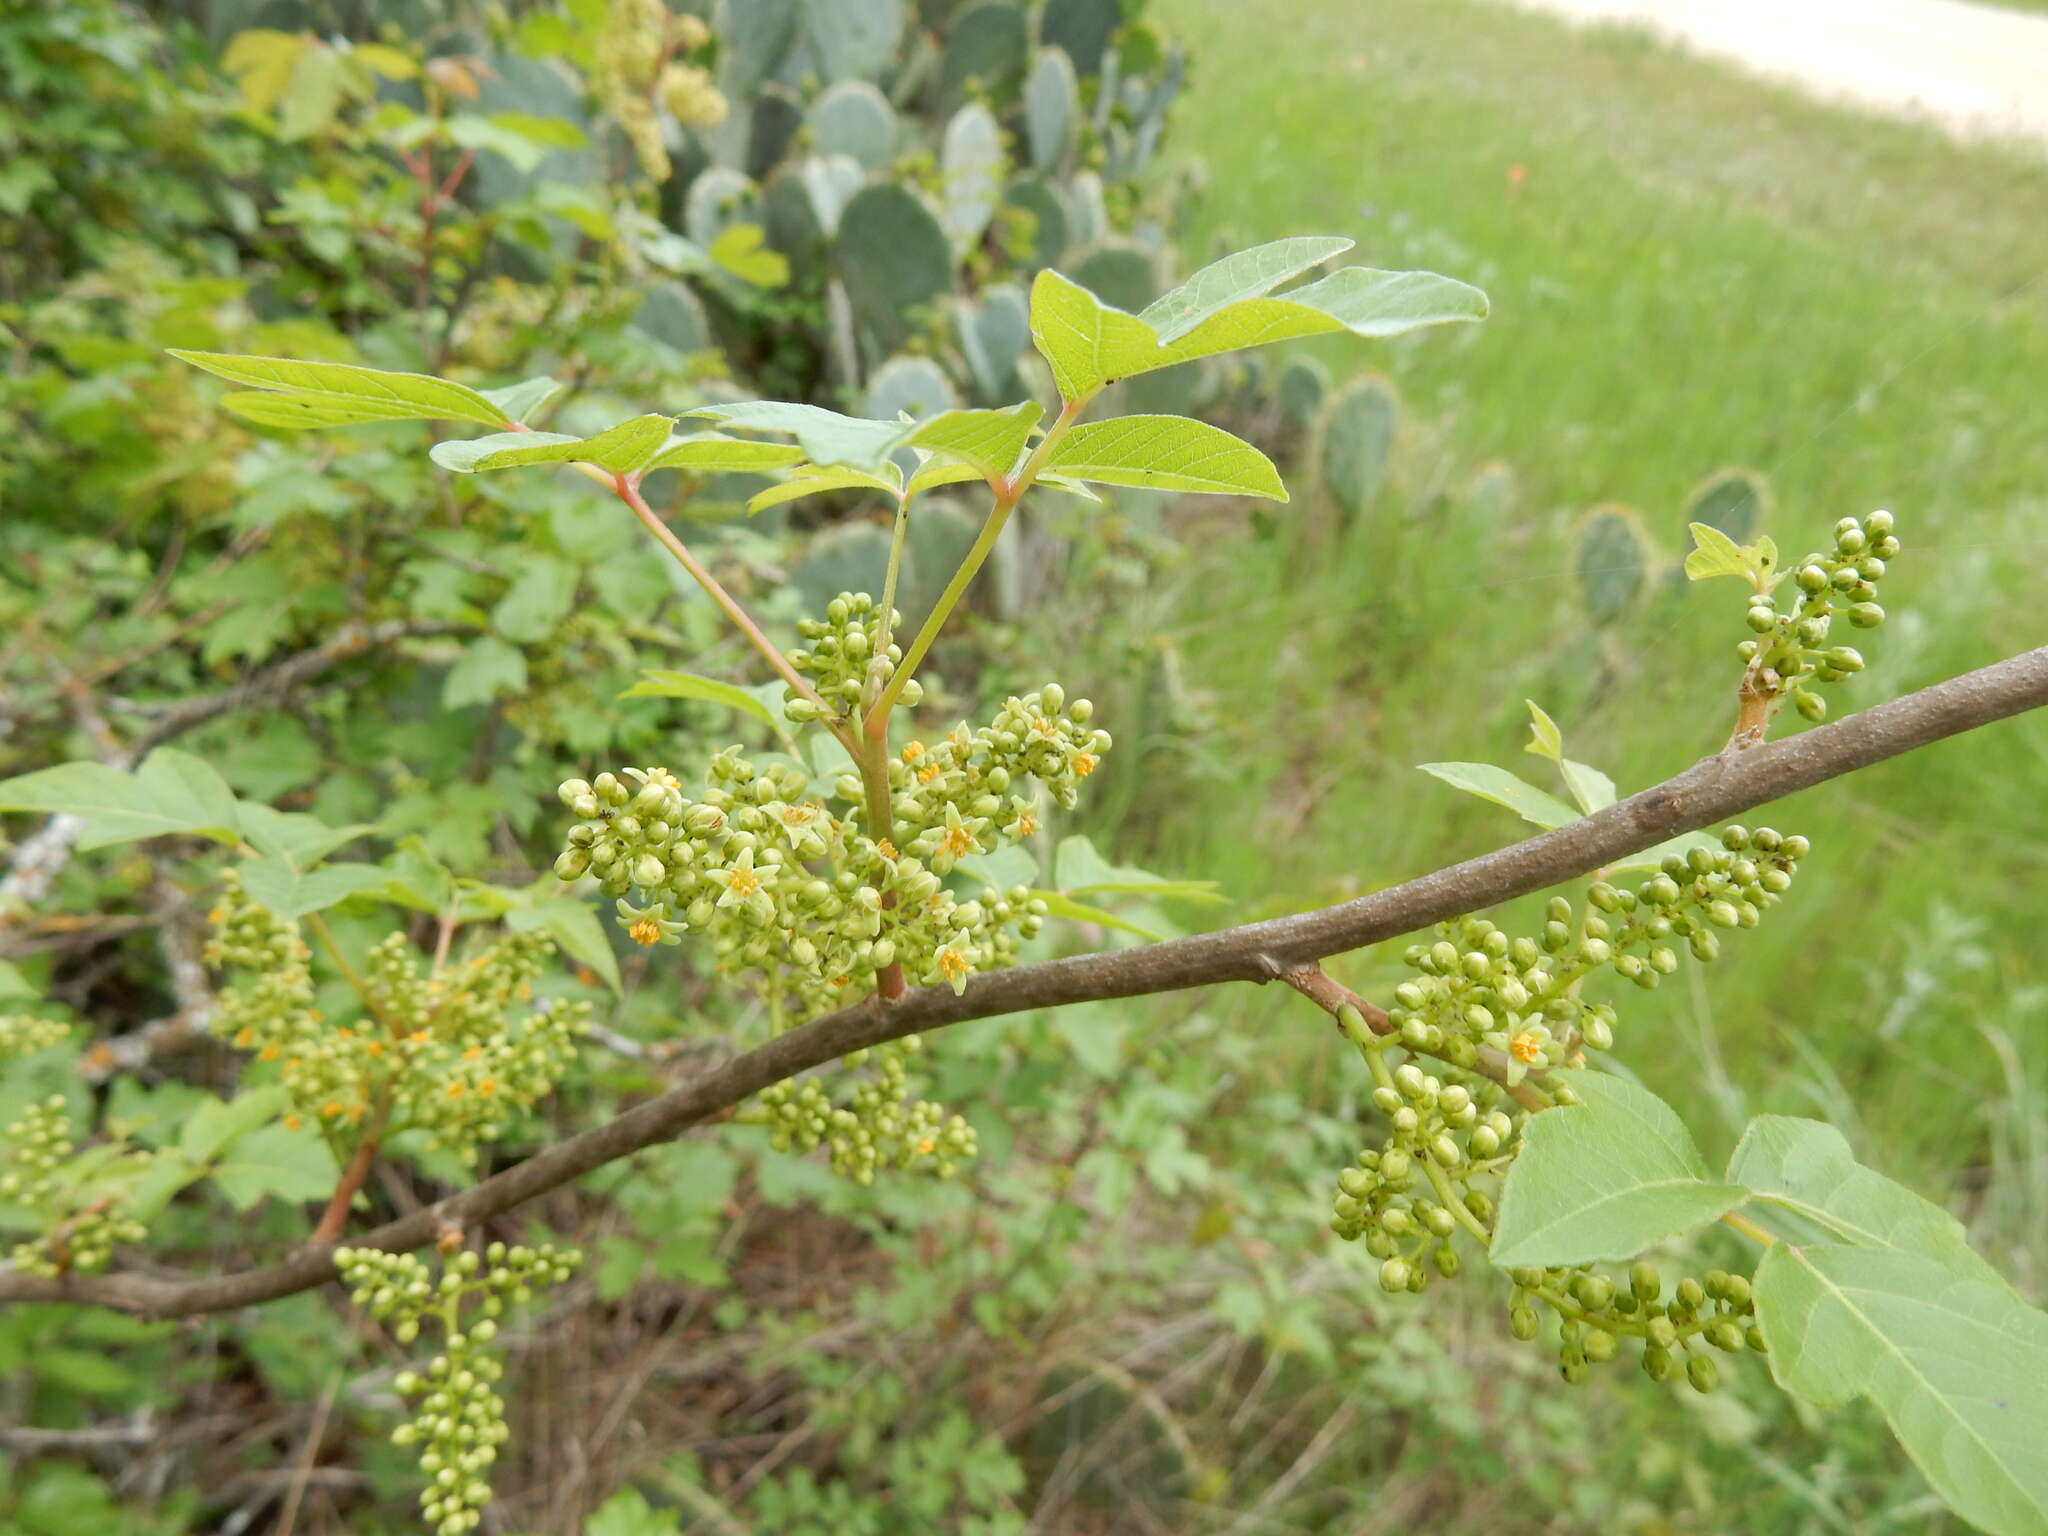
x,y
1958,1368
1243,275
826,437
621,450
1088,343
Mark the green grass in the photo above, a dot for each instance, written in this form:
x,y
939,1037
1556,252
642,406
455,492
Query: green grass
x,y
1688,269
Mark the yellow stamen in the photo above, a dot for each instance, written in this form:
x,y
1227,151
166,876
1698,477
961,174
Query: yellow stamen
x,y
646,931
1527,1047
1084,765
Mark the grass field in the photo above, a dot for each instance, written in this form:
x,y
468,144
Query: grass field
x,y
1688,269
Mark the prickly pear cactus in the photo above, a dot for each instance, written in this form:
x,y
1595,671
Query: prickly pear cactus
x,y
895,260
1299,391
1612,562
1358,443
1736,501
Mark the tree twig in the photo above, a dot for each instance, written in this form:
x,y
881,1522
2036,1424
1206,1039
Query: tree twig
x,y
1711,791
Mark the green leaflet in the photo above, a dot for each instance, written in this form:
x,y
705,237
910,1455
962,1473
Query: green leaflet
x,y
687,685
332,394
706,453
988,442
290,893
1958,1367
1168,453
1603,1179
575,927
826,437
810,480
171,792
622,450
1244,275
1504,788
1806,1166
1089,344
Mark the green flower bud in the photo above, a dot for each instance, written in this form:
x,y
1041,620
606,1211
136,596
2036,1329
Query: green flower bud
x,y
1701,1371
1644,1280
1395,1275
1866,615
1522,1323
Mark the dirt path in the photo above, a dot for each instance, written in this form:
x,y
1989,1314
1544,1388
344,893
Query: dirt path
x,y
1976,69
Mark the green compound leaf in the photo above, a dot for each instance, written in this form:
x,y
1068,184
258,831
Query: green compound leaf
x,y
342,394
1603,1179
1806,1167
987,442
1504,788
1958,1367
275,884
826,437
687,685
171,792
1245,275
1167,453
706,453
1591,788
1089,344
621,450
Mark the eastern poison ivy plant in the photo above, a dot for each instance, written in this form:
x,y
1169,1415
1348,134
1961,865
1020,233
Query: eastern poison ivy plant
x,y
871,855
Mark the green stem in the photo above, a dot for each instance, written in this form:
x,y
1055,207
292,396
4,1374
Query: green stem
x,y
1008,492
1440,1181
1747,1228
896,542
628,492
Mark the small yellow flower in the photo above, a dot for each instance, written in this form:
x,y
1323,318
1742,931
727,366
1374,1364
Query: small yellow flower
x,y
927,773
1084,764
1527,1047
292,1122
927,1147
245,1037
952,965
487,1087
474,1053
457,1090
743,883
799,815
646,931
217,916
1027,824
329,1110
268,1053
913,752
887,850
418,1037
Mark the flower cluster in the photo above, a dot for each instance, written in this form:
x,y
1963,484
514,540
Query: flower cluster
x,y
635,69
80,1218
1478,987
23,1034
1597,1316
844,657
1407,1196
448,1052
877,1127
459,1421
1790,652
